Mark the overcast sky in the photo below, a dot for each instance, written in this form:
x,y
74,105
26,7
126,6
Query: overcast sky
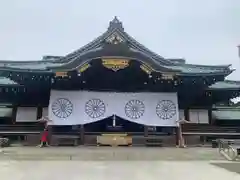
x,y
201,31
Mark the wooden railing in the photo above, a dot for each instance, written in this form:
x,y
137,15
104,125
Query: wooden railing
x,y
210,131
20,129
186,128
209,128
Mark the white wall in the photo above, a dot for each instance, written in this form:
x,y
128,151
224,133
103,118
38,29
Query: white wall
x,y
198,116
26,114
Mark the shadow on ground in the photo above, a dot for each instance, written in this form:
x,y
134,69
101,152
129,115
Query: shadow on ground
x,y
232,167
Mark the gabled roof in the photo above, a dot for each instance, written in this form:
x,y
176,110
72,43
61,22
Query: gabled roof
x,y
115,30
115,36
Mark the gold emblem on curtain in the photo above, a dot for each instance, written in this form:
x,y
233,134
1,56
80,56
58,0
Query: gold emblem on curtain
x,y
115,64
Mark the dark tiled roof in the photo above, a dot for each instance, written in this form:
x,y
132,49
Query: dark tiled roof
x,y
115,31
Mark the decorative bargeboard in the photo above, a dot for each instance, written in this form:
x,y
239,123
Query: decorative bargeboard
x,y
82,107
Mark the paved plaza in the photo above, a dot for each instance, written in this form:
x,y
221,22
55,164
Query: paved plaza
x,y
29,163
111,153
112,170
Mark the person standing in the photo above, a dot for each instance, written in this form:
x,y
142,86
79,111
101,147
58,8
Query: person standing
x,y
44,138
181,141
45,134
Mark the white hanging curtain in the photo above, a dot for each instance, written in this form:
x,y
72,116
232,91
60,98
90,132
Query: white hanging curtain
x,y
81,107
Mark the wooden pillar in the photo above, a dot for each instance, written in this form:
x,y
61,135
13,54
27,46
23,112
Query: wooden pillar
x,y
177,136
82,134
14,114
39,112
145,131
186,114
210,121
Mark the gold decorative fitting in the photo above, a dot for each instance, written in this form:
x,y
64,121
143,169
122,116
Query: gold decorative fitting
x,y
115,38
146,69
115,64
60,74
84,67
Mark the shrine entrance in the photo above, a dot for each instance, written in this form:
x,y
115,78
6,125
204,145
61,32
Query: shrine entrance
x,y
114,124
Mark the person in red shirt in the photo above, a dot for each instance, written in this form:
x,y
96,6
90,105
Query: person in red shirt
x,y
44,138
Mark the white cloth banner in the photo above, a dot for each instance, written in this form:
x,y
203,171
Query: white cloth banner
x,y
81,107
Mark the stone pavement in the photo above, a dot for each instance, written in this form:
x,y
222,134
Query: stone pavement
x,y
110,153
113,170
98,163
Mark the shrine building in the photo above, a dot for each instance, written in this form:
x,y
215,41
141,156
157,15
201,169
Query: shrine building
x,y
114,84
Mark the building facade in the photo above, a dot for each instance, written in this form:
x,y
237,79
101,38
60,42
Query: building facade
x,y
112,63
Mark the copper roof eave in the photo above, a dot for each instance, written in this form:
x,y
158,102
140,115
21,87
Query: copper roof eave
x,y
228,82
224,72
61,68
227,66
9,69
121,51
51,70
223,89
159,69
